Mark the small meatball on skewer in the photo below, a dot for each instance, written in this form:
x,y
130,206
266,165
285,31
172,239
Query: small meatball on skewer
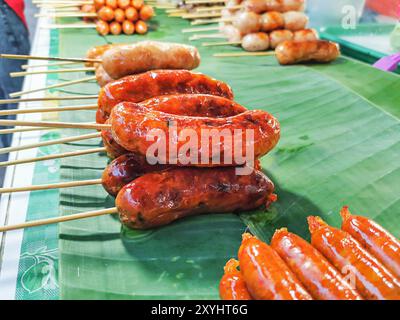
x,y
271,21
231,33
279,36
305,35
247,22
255,42
295,20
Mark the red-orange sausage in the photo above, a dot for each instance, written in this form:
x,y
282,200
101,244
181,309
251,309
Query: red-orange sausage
x,y
131,128
372,279
137,88
232,285
318,276
267,276
113,149
158,198
374,238
125,169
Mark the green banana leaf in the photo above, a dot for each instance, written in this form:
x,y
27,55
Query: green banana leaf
x,y
340,145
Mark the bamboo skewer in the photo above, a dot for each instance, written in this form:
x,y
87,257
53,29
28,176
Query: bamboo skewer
x,y
57,64
71,217
59,185
244,54
28,57
53,124
58,85
67,15
10,101
222,43
50,109
207,36
52,156
27,73
15,130
205,1
74,2
190,30
70,26
208,21
200,15
51,142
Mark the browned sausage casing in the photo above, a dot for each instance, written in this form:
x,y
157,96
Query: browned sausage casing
x,y
131,129
318,276
372,280
102,77
183,104
156,199
292,52
267,276
232,285
96,53
151,84
143,56
374,238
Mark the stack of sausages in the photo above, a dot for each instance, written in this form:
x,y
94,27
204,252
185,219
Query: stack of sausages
x,y
127,16
149,195
359,261
264,24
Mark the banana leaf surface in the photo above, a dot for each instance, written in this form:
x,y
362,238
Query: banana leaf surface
x,y
340,145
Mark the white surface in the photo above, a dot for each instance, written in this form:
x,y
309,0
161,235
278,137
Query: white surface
x,y
373,42
13,207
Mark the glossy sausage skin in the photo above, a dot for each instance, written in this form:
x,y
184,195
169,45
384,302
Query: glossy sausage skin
x,y
102,77
372,280
143,56
266,275
260,6
125,169
96,53
318,276
131,128
232,285
195,105
292,52
374,238
159,198
151,84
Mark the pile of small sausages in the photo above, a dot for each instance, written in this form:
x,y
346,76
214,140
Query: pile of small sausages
x,y
151,195
120,16
360,261
264,24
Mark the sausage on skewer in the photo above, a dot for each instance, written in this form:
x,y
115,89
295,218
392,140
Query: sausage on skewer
x,y
232,285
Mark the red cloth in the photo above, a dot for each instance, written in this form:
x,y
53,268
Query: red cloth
x,y
18,6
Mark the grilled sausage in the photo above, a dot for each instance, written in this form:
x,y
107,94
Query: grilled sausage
x,y
272,20
318,276
96,53
159,198
372,280
232,285
266,275
295,20
137,88
260,6
292,52
131,128
279,36
374,238
143,56
247,22
102,77
305,35
196,105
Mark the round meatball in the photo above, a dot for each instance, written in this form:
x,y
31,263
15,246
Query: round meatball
x,y
247,22
295,20
255,41
279,36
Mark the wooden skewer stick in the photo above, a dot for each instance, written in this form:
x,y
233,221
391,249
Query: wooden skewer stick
x,y
175,10
71,217
27,73
57,64
222,43
200,15
9,101
207,36
70,26
244,54
75,2
58,85
28,57
50,109
205,1
190,30
53,124
213,8
60,185
208,21
67,15
51,142
52,156
15,130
